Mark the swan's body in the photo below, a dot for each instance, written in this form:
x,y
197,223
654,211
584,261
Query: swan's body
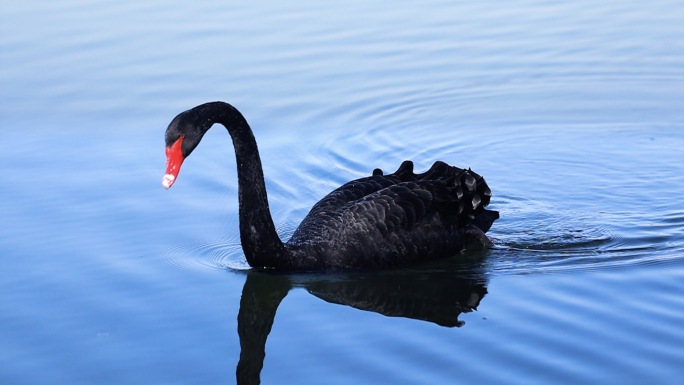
x,y
374,222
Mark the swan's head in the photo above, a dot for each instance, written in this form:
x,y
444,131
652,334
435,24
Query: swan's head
x,y
182,136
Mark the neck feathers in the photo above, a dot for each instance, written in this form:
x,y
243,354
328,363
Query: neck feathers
x,y
260,241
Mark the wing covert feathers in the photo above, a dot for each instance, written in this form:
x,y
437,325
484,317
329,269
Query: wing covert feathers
x,y
395,218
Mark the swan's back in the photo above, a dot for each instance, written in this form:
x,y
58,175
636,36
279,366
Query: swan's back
x,y
395,219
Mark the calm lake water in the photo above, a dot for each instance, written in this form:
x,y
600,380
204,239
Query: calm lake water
x,y
573,112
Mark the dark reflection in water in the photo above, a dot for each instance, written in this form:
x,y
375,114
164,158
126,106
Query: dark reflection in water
x,y
438,293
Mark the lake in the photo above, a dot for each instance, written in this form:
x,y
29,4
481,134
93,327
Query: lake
x,y
573,112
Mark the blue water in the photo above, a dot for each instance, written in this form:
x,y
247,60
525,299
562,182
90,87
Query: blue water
x,y
573,112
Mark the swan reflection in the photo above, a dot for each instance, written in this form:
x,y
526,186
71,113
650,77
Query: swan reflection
x,y
437,294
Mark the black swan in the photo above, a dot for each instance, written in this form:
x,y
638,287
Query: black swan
x,y
379,221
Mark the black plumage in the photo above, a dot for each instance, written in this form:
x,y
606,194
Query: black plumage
x,y
379,221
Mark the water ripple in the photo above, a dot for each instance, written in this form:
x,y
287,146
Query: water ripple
x,y
217,255
557,241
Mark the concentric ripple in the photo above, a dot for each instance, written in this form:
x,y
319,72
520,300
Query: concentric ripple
x,y
208,256
541,239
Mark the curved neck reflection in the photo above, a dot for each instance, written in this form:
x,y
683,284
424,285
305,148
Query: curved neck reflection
x,y
438,295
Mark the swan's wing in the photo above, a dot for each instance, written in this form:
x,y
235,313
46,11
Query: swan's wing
x,y
350,192
404,206
457,194
445,199
360,188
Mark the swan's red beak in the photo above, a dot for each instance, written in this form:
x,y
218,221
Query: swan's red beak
x,y
174,160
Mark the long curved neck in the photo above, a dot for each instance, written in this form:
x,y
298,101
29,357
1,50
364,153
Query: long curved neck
x,y
260,241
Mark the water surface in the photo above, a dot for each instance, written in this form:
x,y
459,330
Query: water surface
x,y
574,114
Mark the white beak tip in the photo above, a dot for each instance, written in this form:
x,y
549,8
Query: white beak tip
x,y
168,180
